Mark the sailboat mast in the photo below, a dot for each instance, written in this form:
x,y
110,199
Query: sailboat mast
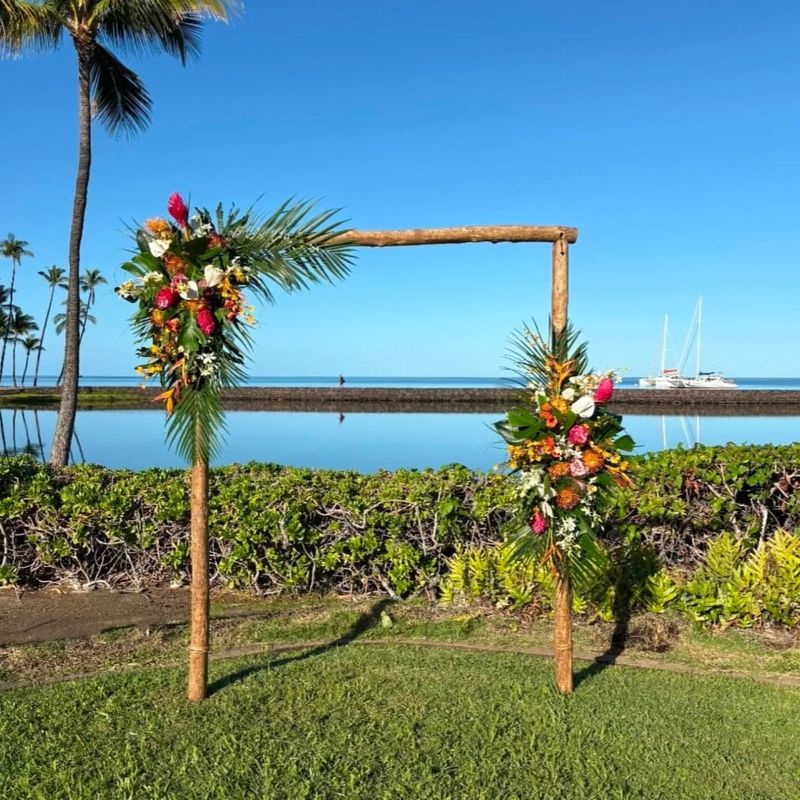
x,y
699,325
664,345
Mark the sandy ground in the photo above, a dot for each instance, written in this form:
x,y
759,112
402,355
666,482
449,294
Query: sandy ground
x,y
51,614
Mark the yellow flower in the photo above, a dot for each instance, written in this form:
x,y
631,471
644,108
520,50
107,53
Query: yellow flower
x,y
560,404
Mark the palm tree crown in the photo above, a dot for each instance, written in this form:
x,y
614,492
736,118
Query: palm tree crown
x,y
16,250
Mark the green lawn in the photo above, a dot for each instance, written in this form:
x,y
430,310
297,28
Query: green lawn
x,y
398,722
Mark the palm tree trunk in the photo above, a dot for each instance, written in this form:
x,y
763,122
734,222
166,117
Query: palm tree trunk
x,y
62,437
44,328
8,320
14,362
25,371
39,435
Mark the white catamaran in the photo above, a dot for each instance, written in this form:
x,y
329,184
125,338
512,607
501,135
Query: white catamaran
x,y
671,378
667,378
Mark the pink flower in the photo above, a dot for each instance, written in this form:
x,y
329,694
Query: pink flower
x,y
166,297
578,434
178,279
177,210
577,468
538,523
206,322
604,391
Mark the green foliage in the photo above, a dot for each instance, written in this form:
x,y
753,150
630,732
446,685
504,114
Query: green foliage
x,y
740,586
274,529
271,528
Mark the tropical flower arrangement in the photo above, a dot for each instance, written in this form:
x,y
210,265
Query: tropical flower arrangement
x,y
190,279
566,448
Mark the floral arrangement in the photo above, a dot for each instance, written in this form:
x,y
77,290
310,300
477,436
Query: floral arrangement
x,y
189,281
188,284
566,448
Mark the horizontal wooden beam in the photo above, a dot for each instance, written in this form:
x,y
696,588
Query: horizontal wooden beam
x,y
460,235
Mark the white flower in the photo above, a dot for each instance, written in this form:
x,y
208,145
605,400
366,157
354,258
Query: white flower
x,y
128,291
153,277
213,275
568,393
189,290
159,246
583,406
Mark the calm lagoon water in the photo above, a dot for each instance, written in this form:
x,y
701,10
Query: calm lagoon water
x,y
360,441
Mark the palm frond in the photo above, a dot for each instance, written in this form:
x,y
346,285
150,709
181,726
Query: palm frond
x,y
155,26
530,354
295,248
196,426
28,24
121,100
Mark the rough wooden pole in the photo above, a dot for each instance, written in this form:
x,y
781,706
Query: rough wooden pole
x,y
198,643
562,608
463,234
559,292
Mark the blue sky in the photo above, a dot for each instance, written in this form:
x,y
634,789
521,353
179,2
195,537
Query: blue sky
x,y
666,132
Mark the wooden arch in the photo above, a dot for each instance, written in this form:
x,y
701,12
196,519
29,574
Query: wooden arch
x,y
561,238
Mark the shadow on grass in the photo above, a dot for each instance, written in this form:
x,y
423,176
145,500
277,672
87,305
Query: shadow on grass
x,y
365,621
619,636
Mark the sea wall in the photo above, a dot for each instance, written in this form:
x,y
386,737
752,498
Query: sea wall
x,y
711,402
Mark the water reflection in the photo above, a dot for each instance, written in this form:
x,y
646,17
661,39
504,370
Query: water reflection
x,y
361,441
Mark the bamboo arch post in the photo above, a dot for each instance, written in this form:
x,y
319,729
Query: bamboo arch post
x,y
562,599
198,642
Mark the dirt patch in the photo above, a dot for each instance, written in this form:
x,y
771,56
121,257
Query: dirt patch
x,y
53,614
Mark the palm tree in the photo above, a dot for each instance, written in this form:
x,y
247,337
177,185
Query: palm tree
x,y
60,319
118,98
54,277
19,326
31,344
16,250
90,280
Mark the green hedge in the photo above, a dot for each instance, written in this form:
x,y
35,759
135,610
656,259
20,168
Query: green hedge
x,y
271,528
275,528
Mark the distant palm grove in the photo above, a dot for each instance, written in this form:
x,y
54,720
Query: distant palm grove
x,y
23,338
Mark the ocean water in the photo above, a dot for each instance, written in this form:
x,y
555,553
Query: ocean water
x,y
360,441
392,382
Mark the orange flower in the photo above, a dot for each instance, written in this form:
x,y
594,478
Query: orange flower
x,y
594,460
559,470
174,264
159,227
549,420
157,317
550,446
567,497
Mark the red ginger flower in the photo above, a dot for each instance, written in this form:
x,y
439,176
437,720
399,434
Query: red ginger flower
x,y
538,523
177,210
206,322
604,391
166,297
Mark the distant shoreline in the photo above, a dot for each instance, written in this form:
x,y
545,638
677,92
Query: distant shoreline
x,y
717,402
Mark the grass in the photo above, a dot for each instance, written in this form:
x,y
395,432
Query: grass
x,y
303,619
88,398
399,722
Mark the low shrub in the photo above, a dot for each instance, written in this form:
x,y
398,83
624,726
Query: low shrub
x,y
284,529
